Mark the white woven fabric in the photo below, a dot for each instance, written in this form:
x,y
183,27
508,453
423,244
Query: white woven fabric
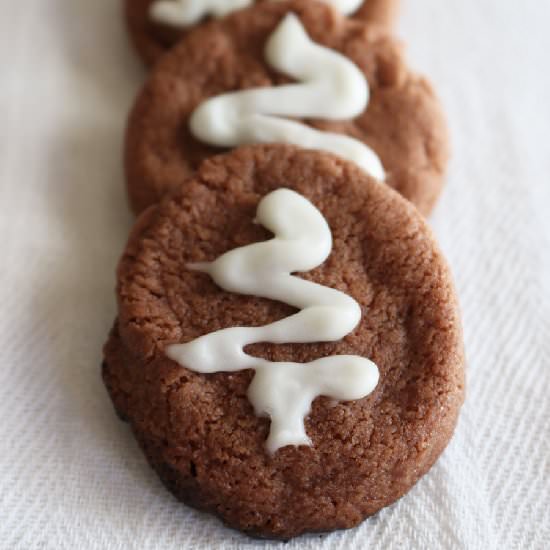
x,y
71,476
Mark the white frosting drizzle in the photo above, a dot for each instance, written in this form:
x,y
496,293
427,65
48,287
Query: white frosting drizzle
x,y
183,13
331,87
284,391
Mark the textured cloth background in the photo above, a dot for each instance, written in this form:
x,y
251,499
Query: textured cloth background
x,y
71,476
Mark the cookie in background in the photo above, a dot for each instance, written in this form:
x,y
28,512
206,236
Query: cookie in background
x,y
292,72
156,25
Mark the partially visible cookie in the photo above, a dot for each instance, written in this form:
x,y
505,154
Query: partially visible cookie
x,y
152,38
403,122
199,431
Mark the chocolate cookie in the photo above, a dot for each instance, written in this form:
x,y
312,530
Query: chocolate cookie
x,y
152,38
200,432
403,123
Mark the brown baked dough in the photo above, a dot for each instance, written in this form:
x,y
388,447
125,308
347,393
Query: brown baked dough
x,y
152,39
403,122
199,432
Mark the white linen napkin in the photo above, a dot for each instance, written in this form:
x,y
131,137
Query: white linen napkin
x,y
71,475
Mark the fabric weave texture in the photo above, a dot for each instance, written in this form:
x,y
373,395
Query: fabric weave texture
x,y
71,475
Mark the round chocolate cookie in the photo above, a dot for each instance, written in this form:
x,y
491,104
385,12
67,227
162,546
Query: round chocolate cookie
x,y
200,432
403,123
151,38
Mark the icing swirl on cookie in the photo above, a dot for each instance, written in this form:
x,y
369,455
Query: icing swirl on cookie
x,y
184,13
331,87
284,391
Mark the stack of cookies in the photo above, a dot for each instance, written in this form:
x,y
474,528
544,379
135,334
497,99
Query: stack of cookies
x,y
288,347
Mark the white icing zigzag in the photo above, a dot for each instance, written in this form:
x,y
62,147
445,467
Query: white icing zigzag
x,y
183,13
284,391
331,87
